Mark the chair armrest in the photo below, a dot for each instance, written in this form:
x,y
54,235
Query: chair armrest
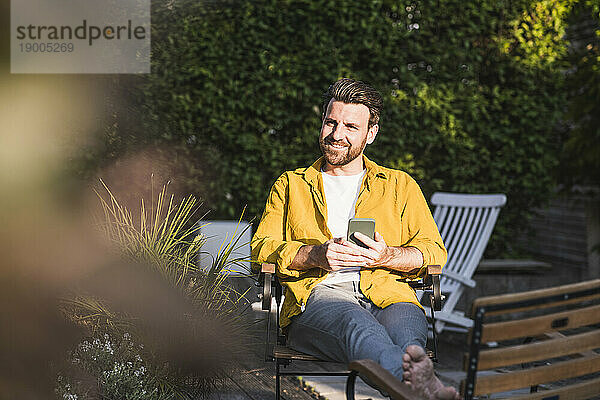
x,y
431,281
430,272
434,270
433,277
267,270
382,379
425,281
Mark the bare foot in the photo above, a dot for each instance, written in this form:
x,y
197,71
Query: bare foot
x,y
419,376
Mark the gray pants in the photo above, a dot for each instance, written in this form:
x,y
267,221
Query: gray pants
x,y
340,324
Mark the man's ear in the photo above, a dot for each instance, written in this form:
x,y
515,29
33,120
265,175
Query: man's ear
x,y
372,133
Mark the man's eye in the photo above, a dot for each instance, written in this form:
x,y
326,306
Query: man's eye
x,y
352,127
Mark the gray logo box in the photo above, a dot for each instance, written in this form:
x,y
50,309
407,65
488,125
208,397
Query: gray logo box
x,y
80,36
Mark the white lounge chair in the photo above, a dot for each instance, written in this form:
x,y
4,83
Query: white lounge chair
x,y
220,234
465,222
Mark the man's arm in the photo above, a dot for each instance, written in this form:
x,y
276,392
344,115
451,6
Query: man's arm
x,y
421,230
268,244
423,244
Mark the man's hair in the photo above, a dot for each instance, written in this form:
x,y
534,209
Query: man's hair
x,y
355,92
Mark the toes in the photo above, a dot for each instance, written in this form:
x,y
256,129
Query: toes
x,y
415,352
447,393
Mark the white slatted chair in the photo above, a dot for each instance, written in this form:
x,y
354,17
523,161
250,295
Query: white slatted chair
x,y
220,234
466,222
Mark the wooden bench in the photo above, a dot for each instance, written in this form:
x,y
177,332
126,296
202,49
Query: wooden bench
x,y
542,341
536,345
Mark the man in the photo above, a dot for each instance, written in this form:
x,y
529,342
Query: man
x,y
343,301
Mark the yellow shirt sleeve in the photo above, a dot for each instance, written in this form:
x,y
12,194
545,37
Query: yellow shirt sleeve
x,y
422,232
269,244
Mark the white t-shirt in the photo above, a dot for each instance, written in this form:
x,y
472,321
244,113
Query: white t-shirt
x,y
341,193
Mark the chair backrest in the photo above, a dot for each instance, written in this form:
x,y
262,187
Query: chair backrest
x,y
218,235
466,222
545,336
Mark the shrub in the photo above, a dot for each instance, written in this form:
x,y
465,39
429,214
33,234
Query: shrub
x,y
475,94
579,160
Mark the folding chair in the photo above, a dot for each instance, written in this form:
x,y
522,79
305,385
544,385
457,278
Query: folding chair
x,y
283,355
466,222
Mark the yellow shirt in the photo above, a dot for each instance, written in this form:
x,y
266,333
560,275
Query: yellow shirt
x,y
296,215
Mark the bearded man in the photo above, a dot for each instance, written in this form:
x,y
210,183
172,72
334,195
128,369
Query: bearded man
x,y
343,301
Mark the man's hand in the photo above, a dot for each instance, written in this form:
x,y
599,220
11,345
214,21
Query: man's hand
x,y
338,253
404,259
333,255
378,251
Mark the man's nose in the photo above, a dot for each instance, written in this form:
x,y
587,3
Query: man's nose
x,y
337,133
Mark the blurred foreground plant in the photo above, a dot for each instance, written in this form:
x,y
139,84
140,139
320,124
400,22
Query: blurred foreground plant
x,y
118,367
185,322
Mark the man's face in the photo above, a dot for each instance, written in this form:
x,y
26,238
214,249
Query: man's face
x,y
345,132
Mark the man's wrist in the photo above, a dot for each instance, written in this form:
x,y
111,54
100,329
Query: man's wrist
x,y
390,258
403,259
305,258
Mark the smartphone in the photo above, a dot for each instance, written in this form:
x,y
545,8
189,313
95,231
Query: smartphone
x,y
366,226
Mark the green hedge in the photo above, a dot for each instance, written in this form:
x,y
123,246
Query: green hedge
x,y
473,93
580,159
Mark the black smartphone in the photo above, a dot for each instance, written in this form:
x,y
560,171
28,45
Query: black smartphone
x,y
366,226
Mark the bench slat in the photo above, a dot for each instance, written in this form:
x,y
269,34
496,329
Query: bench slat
x,y
539,351
582,390
535,376
534,294
546,305
535,326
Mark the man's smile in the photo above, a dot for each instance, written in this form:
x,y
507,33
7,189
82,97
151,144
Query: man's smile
x,y
337,145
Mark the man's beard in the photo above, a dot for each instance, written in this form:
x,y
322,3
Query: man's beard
x,y
340,157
